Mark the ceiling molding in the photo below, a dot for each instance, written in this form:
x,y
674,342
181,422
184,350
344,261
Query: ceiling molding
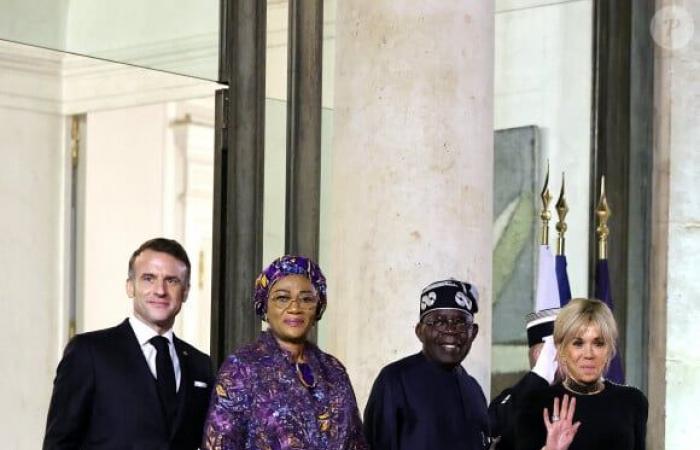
x,y
30,78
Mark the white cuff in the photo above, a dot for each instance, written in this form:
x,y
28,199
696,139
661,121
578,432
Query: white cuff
x,y
546,365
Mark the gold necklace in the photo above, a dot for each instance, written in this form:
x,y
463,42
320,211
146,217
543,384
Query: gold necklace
x,y
575,387
304,373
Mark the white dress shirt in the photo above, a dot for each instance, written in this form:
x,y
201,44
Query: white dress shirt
x,y
144,333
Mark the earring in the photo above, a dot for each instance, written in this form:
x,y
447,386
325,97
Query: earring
x,y
264,317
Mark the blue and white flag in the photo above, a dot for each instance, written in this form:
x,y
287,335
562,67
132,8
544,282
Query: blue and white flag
x,y
563,280
604,293
547,295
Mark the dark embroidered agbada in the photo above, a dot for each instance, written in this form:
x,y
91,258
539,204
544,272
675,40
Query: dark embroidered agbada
x,y
417,404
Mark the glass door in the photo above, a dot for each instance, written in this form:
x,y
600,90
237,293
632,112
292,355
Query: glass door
x,y
177,36
95,158
106,140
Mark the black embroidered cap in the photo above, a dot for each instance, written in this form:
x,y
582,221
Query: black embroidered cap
x,y
449,294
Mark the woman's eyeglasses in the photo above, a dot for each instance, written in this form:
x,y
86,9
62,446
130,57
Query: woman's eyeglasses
x,y
306,302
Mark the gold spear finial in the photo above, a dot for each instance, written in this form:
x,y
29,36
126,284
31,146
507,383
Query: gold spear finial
x,y
562,211
604,213
545,215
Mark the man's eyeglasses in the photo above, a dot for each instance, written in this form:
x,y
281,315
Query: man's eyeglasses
x,y
305,302
444,325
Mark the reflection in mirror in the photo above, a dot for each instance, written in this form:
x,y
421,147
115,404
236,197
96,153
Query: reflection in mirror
x,y
179,37
542,81
275,130
328,105
95,158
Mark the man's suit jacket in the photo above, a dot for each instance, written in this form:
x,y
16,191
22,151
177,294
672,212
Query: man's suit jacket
x,y
105,397
503,409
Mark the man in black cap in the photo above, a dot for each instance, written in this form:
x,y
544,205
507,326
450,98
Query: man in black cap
x,y
428,401
541,355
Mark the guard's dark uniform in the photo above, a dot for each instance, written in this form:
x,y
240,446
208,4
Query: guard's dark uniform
x,y
503,409
416,404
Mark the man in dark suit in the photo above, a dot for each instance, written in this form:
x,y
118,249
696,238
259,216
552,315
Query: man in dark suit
x,y
135,386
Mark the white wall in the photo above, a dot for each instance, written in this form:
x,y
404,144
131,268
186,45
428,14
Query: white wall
x,y
274,200
192,144
123,205
276,58
32,171
148,172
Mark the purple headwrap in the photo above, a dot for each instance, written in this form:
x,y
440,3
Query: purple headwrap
x,y
289,265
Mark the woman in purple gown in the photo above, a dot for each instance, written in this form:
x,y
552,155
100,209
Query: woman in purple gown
x,y
281,392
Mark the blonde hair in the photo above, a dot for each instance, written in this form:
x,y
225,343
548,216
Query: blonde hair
x,y
579,314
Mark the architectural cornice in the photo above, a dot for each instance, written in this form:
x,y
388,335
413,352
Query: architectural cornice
x,y
30,78
91,85
195,56
67,83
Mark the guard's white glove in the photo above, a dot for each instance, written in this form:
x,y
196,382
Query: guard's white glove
x,y
546,365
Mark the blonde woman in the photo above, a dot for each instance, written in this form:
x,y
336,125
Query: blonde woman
x,y
584,411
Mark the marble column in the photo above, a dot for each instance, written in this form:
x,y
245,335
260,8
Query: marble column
x,y
412,173
674,315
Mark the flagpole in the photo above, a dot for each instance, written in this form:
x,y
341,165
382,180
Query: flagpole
x,y
562,210
560,259
603,212
545,215
602,285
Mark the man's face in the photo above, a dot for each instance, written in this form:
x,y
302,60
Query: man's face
x,y
447,336
534,352
158,288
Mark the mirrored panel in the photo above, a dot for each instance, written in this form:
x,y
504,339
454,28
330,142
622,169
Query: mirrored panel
x,y
542,118
177,36
95,158
328,105
275,130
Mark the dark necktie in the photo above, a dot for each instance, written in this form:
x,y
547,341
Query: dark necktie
x,y
165,377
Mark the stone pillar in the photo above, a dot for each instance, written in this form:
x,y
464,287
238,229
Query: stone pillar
x,y
674,313
412,174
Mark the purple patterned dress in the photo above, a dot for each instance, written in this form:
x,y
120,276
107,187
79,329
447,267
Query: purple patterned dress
x,y
259,403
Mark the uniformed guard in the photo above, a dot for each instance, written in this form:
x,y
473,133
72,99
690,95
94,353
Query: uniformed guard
x,y
542,357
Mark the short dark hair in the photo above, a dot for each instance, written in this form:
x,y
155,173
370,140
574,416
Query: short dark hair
x,y
162,245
